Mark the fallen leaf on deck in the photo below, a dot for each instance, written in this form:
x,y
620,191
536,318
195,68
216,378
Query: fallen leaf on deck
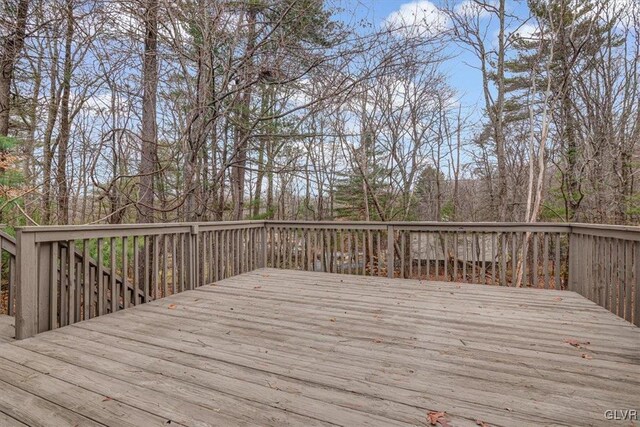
x,y
575,343
172,306
587,356
434,418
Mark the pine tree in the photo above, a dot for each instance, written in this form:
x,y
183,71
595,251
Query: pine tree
x,y
569,34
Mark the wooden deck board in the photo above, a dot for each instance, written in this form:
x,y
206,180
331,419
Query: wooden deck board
x,y
278,347
7,328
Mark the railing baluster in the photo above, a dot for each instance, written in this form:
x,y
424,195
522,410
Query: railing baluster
x,y
64,299
635,297
136,269
53,286
86,280
503,259
628,280
465,256
445,255
114,286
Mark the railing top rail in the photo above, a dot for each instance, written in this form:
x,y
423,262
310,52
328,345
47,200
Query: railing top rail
x,y
8,242
74,232
429,225
584,225
623,232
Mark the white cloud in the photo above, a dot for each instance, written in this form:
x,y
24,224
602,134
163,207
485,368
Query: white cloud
x,y
418,18
527,31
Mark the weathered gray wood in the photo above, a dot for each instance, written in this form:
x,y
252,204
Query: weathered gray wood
x,y
136,269
87,284
113,287
46,321
390,251
27,291
601,260
125,273
7,329
100,279
278,347
71,283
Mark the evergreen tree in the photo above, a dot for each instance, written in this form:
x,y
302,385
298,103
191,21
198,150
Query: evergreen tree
x,y
568,36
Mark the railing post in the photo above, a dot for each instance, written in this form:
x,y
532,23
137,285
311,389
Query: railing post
x,y
390,251
26,285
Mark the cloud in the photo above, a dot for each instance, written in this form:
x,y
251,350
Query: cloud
x,y
418,18
527,31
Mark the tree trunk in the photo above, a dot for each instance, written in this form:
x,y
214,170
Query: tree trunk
x,y
65,120
149,149
499,120
242,127
12,47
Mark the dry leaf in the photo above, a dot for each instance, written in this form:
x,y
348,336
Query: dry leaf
x,y
575,343
172,306
435,418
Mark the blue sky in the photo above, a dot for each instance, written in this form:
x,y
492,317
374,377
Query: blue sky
x,y
462,76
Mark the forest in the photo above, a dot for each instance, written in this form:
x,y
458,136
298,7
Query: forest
x,y
137,111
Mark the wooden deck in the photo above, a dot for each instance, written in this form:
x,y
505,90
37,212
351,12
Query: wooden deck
x,y
7,328
278,347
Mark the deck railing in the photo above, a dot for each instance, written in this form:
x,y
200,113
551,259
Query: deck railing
x,y
117,266
507,254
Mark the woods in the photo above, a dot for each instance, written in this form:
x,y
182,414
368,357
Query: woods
x,y
197,110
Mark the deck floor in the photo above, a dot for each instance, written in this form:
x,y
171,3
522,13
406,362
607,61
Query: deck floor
x,y
7,328
278,347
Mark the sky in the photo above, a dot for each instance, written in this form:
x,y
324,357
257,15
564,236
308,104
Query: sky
x,y
464,78
459,68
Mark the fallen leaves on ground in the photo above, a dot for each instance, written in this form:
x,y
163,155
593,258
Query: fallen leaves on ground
x,y
171,306
437,417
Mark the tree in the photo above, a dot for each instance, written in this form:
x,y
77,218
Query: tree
x,y
149,133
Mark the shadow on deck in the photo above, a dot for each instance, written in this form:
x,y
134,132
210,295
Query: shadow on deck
x,y
282,347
